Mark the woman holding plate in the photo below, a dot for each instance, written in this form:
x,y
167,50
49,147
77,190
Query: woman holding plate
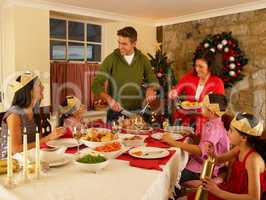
x,y
193,86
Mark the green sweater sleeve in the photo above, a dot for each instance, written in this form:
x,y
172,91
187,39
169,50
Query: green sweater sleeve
x,y
149,74
101,76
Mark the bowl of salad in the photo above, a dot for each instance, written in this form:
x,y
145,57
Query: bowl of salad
x,y
92,161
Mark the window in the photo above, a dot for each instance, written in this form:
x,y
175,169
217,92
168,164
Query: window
x,y
58,28
75,40
57,50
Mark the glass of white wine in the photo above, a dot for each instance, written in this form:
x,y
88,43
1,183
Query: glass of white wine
x,y
77,135
115,126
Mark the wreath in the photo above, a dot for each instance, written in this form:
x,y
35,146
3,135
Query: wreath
x,y
233,58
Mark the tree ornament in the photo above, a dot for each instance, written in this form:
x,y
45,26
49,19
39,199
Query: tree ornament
x,y
219,46
159,74
232,58
232,73
206,45
232,66
224,42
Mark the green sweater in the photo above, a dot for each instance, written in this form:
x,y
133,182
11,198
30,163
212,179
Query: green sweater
x,y
124,80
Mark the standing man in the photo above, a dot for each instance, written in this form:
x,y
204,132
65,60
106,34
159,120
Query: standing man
x,y
125,69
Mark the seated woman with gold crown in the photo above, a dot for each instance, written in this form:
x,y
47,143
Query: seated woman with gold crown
x,y
20,117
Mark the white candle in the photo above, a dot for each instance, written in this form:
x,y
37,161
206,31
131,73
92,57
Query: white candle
x,y
25,155
9,157
37,156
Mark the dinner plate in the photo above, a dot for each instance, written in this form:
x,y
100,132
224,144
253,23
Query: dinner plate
x,y
64,142
148,152
159,135
137,131
61,162
128,135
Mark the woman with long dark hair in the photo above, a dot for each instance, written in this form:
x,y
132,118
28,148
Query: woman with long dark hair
x,y
28,92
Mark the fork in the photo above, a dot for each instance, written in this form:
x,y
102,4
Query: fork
x,y
144,109
152,152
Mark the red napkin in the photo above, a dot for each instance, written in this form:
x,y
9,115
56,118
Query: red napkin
x,y
146,163
150,142
74,149
68,133
98,124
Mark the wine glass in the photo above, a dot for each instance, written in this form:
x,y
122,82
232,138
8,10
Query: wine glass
x,y
115,126
77,135
54,120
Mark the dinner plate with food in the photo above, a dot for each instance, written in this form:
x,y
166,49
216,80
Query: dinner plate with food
x,y
148,152
132,140
98,136
190,105
159,135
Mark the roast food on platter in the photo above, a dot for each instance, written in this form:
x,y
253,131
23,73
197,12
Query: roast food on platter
x,y
99,135
136,122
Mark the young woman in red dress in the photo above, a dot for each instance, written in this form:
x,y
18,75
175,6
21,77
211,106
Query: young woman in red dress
x,y
247,180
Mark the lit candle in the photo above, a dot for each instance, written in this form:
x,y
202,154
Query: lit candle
x,y
9,157
25,155
9,183
37,155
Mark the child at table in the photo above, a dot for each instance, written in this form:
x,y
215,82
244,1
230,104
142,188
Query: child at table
x,y
214,136
247,180
72,111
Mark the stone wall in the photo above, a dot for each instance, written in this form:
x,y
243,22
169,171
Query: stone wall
x,y
181,40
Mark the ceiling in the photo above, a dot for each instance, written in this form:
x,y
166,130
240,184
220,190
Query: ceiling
x,y
153,9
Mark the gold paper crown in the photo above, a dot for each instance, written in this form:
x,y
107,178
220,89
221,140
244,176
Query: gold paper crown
x,y
73,104
25,78
214,107
243,125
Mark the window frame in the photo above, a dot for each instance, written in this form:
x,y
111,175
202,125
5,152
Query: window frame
x,y
85,42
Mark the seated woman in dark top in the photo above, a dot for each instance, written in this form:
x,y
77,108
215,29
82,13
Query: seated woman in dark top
x,y
28,92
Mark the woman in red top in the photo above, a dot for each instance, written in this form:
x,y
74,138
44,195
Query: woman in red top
x,y
202,80
247,180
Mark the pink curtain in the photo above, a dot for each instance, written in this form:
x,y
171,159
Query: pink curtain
x,y
72,79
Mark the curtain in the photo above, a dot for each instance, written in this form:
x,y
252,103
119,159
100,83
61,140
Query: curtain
x,y
72,79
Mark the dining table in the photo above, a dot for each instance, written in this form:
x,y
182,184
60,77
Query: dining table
x,y
120,180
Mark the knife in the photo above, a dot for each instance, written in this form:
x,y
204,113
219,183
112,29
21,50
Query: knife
x,y
126,113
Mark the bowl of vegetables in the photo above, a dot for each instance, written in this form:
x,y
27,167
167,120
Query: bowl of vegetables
x,y
92,161
111,150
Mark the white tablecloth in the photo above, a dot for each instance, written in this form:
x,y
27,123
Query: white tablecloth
x,y
118,181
